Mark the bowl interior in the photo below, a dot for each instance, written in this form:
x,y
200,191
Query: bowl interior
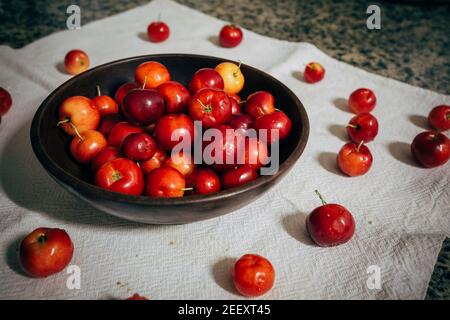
x,y
52,145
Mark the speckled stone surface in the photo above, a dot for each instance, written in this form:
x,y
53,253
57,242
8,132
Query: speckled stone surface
x,y
412,46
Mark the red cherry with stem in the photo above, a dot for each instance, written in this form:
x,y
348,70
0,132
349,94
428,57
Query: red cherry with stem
x,y
431,149
165,182
362,127
138,147
259,103
210,106
330,224
206,78
105,104
158,31
354,160
203,181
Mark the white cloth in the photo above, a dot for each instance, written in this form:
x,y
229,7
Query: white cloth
x,y
401,210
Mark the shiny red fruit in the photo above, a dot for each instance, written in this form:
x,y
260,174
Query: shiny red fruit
x,y
138,147
78,113
238,176
105,155
314,72
230,36
45,251
123,90
259,103
330,225
277,121
151,74
137,297
203,181
173,125
221,152
210,106
354,159
439,118
255,152
143,106
206,78
362,127
431,149
105,105
85,147
108,122
154,162
76,61
158,31
241,121
5,101
362,101
253,275
235,103
121,175
182,161
165,182
176,96
120,131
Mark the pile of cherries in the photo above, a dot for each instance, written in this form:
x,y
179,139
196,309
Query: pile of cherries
x,y
128,140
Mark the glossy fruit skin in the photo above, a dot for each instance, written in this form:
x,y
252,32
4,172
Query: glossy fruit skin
x,y
154,162
105,105
76,61
431,149
169,124
183,162
362,101
143,106
81,112
205,78
45,251
238,176
158,31
212,107
362,127
176,97
5,101
330,225
314,72
120,131
108,122
235,104
353,162
165,182
255,152
439,118
121,175
137,297
259,103
204,181
152,73
241,121
253,275
84,150
105,155
138,147
226,149
230,36
123,90
276,120
233,79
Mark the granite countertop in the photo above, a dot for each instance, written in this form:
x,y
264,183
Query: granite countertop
x,y
412,46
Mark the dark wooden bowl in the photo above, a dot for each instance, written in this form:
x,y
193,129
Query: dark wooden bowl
x,y
51,145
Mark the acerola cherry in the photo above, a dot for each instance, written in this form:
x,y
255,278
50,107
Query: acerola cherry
x,y
165,182
172,125
108,122
154,162
120,175
105,104
86,146
241,121
182,161
138,147
210,106
5,101
105,155
78,113
235,103
123,90
362,101
151,74
362,127
203,181
314,72
158,31
276,120
238,176
354,160
259,104
143,106
205,78
330,224
76,61
232,76
230,36
253,275
176,96
120,131
439,118
431,149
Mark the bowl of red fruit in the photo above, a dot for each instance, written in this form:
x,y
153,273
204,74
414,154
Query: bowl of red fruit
x,y
170,138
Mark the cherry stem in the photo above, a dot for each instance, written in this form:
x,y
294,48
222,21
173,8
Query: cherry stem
x,y
320,197
438,131
159,17
67,120
352,126
448,115
99,91
207,108
187,189
145,82
237,70
359,145
242,101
